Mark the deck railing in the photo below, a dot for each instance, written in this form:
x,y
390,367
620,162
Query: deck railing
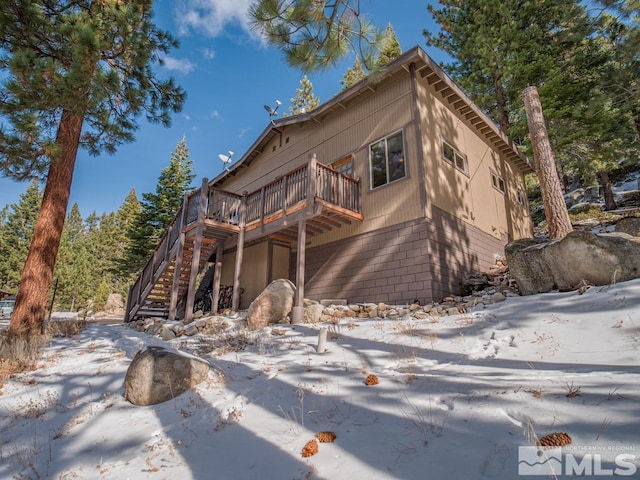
x,y
226,207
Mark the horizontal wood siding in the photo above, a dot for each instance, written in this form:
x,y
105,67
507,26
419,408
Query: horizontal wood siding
x,y
422,259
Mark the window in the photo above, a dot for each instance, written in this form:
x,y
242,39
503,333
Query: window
x,y
454,157
386,157
497,182
522,198
344,166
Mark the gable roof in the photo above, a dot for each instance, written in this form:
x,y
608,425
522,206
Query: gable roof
x,y
450,93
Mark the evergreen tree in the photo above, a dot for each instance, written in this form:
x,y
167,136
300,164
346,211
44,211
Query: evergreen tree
x,y
315,35
501,47
74,73
305,100
101,243
353,75
125,220
389,48
73,269
159,209
16,230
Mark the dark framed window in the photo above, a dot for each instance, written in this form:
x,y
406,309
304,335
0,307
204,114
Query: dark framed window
x,y
522,198
387,160
455,158
498,182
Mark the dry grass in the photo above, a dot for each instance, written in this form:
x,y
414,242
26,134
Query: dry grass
x,y
20,353
536,392
65,328
572,391
228,342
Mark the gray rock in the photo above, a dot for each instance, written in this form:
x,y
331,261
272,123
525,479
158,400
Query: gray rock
x,y
273,305
498,297
313,313
191,330
157,375
599,259
166,333
629,225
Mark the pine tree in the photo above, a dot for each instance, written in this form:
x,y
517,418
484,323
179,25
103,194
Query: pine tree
x,y
315,35
305,100
389,49
74,72
353,75
16,230
159,209
73,269
125,220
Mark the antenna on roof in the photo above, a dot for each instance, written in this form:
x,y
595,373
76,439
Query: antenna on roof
x,y
226,159
273,111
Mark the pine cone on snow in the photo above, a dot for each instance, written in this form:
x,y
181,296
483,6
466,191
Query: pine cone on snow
x,y
555,439
371,380
311,448
326,437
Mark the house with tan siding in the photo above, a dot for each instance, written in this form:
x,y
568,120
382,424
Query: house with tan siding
x,y
392,191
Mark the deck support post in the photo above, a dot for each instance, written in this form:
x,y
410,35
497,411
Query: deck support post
x,y
217,272
297,316
235,300
197,248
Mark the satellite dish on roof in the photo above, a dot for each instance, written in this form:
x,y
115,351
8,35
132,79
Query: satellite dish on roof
x,y
226,159
273,111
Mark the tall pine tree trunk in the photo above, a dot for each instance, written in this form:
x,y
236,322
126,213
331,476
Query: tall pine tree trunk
x,y
555,208
35,282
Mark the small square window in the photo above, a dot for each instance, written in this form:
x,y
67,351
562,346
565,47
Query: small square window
x,y
454,157
522,198
497,182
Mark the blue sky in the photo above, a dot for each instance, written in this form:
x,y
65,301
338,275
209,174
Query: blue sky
x,y
228,74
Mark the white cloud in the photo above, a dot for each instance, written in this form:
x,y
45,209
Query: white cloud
x,y
186,117
178,64
215,115
212,16
243,132
208,53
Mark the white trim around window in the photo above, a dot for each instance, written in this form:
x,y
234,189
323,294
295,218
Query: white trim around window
x,y
454,157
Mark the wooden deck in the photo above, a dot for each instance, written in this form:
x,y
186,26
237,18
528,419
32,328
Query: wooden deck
x,y
309,200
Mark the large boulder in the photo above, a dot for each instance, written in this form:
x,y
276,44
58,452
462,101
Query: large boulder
x,y
598,259
273,305
629,225
157,375
114,305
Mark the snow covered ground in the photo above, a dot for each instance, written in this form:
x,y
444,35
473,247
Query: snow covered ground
x,y
457,396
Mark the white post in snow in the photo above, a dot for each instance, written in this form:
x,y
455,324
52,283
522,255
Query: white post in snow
x,y
322,340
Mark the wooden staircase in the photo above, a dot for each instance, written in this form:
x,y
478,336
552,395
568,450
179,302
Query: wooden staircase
x,y
209,216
